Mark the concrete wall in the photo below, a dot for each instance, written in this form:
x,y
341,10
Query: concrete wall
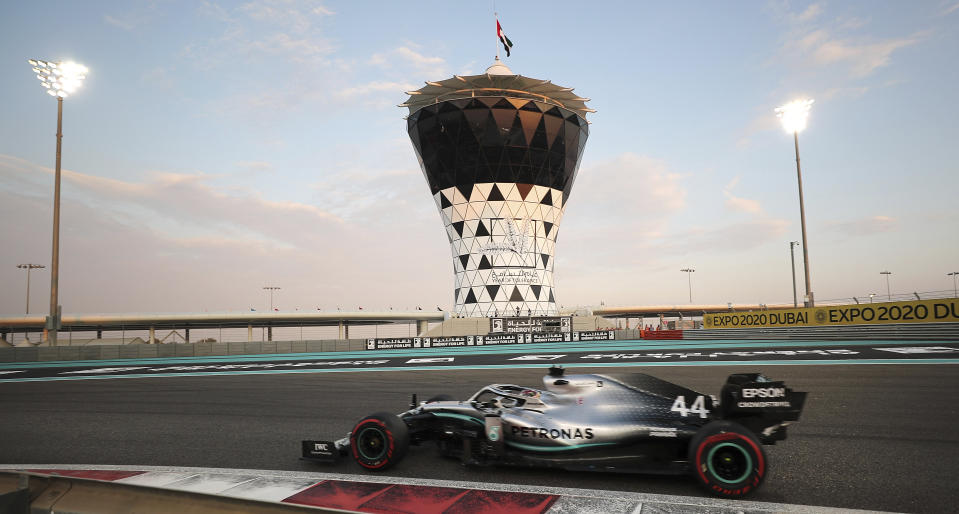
x,y
147,351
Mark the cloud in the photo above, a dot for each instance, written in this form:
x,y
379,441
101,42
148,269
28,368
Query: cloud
x,y
406,57
862,58
740,204
835,43
950,9
137,16
732,238
762,122
864,226
295,15
116,22
283,29
811,12
174,203
255,166
648,185
840,92
159,78
175,240
392,90
615,207
296,49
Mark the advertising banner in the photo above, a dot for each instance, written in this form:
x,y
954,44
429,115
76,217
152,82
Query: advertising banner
x,y
441,342
547,338
916,311
533,324
594,335
395,343
487,340
499,339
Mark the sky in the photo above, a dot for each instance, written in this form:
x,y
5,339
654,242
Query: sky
x,y
219,147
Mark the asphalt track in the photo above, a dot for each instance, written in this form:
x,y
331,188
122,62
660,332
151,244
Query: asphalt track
x,y
876,436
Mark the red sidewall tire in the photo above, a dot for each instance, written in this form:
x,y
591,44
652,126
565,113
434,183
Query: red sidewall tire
x,y
726,438
379,441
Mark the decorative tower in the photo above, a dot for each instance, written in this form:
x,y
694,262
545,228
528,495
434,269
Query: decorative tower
x,y
500,152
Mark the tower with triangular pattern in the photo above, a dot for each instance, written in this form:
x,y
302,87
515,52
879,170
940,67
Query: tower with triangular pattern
x,y
500,152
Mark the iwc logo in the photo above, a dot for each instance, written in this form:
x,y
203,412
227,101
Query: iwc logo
x,y
820,315
493,434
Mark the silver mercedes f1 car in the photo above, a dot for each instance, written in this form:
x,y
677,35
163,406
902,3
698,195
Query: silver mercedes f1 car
x,y
616,422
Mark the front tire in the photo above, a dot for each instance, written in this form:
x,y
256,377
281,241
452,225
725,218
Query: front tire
x,y
727,459
379,441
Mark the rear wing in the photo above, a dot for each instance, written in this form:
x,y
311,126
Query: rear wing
x,y
763,405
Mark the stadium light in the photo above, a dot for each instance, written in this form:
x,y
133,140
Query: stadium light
x,y
271,289
887,273
689,276
793,116
953,275
60,79
29,268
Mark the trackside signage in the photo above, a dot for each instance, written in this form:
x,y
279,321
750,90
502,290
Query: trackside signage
x,y
489,339
499,339
594,335
917,311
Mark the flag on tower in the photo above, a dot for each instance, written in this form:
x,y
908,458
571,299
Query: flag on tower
x,y
507,44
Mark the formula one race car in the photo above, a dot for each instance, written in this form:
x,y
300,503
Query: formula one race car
x,y
616,422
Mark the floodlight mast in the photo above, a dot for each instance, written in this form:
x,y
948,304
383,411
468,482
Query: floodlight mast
x,y
888,294
793,116
689,274
60,79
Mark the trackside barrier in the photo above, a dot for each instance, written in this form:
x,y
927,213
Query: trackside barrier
x,y
151,351
395,343
912,332
661,334
939,310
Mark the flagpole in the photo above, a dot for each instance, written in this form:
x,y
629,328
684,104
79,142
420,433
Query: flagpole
x,y
496,19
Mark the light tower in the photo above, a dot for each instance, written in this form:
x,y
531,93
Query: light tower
x,y
793,116
60,79
500,152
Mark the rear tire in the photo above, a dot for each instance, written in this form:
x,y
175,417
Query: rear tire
x,y
727,459
379,441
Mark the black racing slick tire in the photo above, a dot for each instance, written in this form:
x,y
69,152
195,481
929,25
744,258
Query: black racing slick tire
x,y
727,459
440,398
379,441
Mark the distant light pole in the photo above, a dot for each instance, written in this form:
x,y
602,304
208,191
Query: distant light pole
x,y
871,296
29,267
689,276
792,257
271,289
953,275
60,80
793,116
887,273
